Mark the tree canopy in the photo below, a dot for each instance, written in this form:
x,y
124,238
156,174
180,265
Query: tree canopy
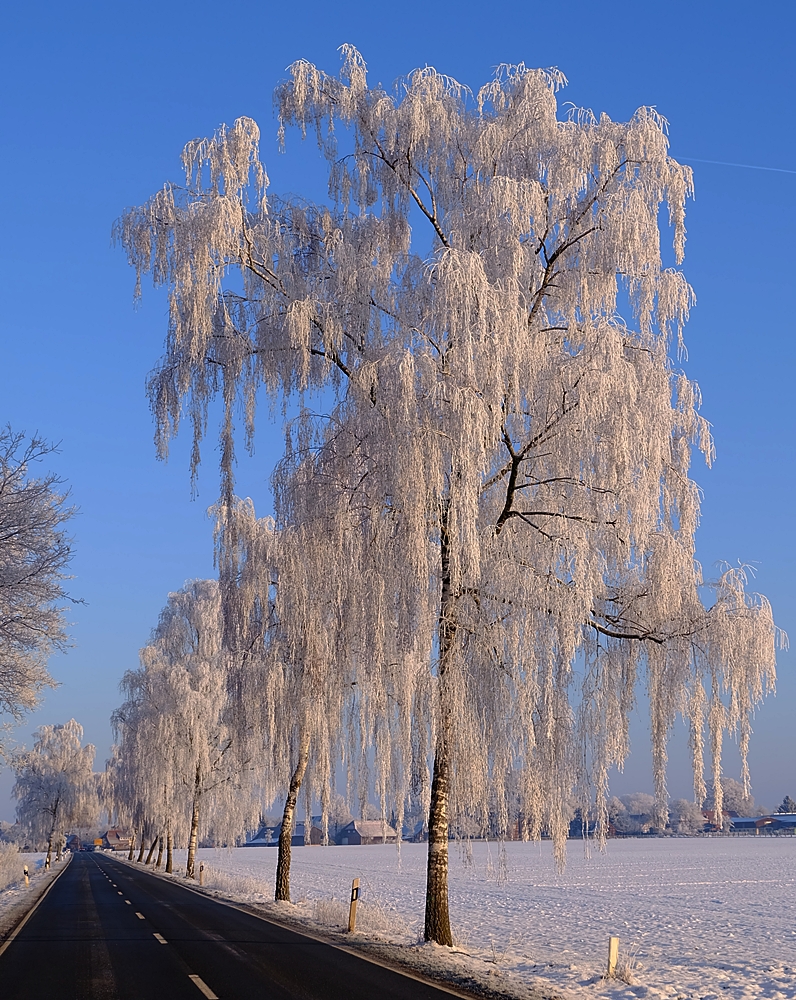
x,y
34,555
55,787
178,764
503,467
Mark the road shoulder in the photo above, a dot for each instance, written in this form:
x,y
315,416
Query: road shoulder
x,y
15,914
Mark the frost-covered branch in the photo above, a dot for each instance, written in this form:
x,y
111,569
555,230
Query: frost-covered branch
x,y
34,556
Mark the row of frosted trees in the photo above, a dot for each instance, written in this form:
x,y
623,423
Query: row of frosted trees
x,y
483,532
180,761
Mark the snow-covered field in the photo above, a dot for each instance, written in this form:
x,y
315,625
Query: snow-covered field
x,y
696,918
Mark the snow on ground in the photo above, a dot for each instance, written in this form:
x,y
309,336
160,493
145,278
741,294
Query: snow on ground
x,y
697,918
15,890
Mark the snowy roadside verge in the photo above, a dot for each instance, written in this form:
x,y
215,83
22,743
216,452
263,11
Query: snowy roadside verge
x,y
18,899
454,969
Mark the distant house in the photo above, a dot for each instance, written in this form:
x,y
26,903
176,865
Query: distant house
x,y
415,833
116,840
784,823
777,823
726,814
367,831
315,834
268,836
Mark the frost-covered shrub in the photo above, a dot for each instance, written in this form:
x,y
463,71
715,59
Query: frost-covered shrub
x,y
330,913
10,864
234,885
372,918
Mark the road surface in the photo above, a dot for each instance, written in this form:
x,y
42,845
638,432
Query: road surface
x,y
108,931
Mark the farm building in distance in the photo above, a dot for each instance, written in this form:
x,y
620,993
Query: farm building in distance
x,y
367,831
115,840
776,824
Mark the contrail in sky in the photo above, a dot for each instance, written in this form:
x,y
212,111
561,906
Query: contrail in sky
x,y
747,166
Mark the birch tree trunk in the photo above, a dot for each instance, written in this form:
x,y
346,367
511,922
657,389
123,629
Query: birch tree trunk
x,y
288,816
151,851
437,922
197,793
438,925
169,852
160,853
132,846
54,813
141,849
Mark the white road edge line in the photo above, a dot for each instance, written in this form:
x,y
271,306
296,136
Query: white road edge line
x,y
203,987
160,938
33,909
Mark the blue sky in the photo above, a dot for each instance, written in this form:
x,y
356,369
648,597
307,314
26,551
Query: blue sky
x,y
97,101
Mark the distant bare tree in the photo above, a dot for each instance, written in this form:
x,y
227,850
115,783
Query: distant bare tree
x,y
34,554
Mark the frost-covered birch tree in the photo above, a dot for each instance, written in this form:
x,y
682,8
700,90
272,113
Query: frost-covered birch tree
x,y
485,304
34,555
180,768
55,788
138,784
286,614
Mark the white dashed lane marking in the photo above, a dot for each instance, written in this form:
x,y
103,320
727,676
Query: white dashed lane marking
x,y
159,938
128,902
203,987
140,916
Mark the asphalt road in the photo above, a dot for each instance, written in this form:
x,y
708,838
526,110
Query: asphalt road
x,y
107,931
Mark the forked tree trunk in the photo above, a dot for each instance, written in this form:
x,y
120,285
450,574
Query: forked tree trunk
x,y
160,853
194,836
132,846
288,816
437,922
151,850
169,852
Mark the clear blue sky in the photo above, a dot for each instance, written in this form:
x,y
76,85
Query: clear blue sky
x,y
97,101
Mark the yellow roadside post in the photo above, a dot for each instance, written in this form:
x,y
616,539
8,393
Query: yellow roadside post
x,y
613,956
352,912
